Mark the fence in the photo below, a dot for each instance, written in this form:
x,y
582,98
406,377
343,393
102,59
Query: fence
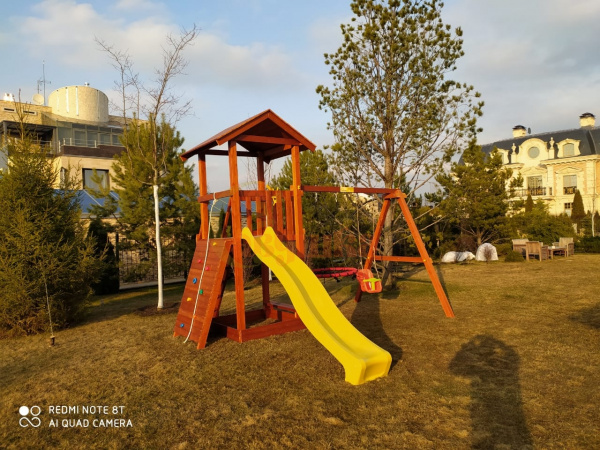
x,y
138,265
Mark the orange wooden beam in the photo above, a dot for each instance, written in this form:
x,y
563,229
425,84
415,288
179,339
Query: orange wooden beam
x,y
266,140
236,230
202,185
297,193
414,231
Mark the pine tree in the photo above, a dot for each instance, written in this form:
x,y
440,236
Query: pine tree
x,y
578,212
475,195
395,114
46,262
529,203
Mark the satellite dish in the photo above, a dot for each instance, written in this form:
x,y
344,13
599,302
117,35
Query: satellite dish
x,y
38,99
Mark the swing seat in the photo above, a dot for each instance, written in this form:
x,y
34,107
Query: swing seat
x,y
368,283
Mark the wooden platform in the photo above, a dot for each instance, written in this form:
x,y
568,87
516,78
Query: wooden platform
x,y
208,302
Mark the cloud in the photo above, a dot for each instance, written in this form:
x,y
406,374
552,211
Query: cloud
x,y
532,61
66,30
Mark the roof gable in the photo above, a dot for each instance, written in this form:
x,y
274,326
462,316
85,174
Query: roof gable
x,y
264,134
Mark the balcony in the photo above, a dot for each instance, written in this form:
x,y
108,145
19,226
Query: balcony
x,y
569,189
534,192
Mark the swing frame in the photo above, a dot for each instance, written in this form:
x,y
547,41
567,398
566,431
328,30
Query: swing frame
x,y
390,195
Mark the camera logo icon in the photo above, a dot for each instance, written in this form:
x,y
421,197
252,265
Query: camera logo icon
x,y
33,412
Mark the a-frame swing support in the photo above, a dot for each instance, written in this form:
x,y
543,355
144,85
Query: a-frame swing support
x,y
423,257
390,195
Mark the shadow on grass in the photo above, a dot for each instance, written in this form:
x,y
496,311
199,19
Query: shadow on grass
x,y
588,316
496,404
366,317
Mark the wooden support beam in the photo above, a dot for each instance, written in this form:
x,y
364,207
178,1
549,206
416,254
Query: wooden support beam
x,y
393,193
205,198
289,216
236,230
202,186
414,231
215,152
297,193
260,175
407,259
226,220
267,139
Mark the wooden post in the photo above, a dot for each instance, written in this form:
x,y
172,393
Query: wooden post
x,y
260,175
236,231
204,219
297,193
261,207
374,242
414,231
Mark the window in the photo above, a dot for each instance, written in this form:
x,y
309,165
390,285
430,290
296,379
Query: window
x,y
63,177
79,137
569,184
568,150
96,180
533,152
115,139
534,185
92,139
105,139
568,208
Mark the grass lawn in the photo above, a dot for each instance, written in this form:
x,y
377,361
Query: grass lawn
x,y
517,368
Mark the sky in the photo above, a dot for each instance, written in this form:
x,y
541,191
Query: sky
x,y
534,62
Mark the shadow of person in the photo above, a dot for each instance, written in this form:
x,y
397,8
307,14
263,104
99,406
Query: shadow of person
x,y
588,316
366,317
496,405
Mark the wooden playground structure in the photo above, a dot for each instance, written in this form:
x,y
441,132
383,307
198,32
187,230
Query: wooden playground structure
x,y
264,137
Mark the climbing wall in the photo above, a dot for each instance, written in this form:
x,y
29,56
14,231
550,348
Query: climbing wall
x,y
203,292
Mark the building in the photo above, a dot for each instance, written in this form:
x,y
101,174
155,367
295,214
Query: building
x,y
74,126
555,164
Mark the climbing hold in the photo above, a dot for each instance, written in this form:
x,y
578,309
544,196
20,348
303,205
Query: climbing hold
x,y
207,268
214,243
181,326
195,280
199,261
189,299
201,291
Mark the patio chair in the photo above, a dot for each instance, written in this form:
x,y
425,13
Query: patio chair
x,y
567,242
519,246
536,249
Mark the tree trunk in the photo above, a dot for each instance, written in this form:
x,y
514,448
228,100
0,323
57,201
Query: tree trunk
x,y
158,248
388,235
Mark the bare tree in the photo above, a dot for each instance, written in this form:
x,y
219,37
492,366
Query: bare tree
x,y
152,104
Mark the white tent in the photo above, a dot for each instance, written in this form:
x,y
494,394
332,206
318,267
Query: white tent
x,y
451,257
486,252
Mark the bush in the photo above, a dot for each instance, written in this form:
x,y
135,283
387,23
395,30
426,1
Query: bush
x,y
504,249
588,245
513,256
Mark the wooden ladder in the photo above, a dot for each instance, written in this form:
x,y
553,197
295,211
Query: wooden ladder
x,y
208,291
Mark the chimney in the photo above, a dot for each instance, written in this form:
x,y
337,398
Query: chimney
x,y
587,120
519,131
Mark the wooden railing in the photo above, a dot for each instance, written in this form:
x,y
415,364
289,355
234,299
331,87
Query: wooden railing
x,y
262,209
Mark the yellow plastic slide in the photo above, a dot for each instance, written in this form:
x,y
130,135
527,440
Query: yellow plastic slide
x,y
362,359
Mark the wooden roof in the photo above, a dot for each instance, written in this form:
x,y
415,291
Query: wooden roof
x,y
265,133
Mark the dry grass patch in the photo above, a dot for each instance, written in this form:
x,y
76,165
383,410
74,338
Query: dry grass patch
x,y
517,368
